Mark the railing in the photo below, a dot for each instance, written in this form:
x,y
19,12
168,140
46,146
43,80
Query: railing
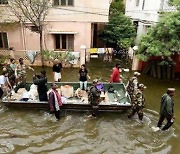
x,y
37,61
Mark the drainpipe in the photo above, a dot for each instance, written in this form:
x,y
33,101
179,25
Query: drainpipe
x,y
23,37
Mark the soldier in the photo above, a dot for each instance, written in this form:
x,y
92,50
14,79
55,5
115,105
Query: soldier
x,y
132,84
167,109
94,98
138,102
21,74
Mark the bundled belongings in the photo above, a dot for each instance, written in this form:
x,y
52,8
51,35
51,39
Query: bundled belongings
x,y
24,95
67,91
82,94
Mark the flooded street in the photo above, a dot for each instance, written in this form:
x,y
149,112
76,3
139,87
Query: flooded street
x,y
26,131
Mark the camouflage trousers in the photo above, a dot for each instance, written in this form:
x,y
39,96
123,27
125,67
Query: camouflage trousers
x,y
138,110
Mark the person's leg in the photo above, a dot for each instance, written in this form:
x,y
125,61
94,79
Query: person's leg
x,y
168,124
59,78
1,93
57,114
161,119
95,111
85,85
131,113
140,114
81,85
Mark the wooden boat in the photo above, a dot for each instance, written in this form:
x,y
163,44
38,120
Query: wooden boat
x,y
117,101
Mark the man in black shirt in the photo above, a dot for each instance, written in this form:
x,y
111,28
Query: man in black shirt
x,y
57,68
41,82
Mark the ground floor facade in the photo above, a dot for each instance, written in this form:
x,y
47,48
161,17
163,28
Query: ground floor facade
x,y
57,36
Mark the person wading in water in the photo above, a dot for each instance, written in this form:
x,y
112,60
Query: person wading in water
x,y
54,100
167,109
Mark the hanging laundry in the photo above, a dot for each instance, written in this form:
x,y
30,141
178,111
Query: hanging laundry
x,y
101,50
31,55
93,50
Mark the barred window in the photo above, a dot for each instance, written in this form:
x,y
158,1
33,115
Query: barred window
x,y
3,1
64,41
3,40
63,2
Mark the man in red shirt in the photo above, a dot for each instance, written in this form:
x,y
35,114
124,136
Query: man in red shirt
x,y
115,77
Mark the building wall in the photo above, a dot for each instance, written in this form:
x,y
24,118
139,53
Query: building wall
x,y
77,18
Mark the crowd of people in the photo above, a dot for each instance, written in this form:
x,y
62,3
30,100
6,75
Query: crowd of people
x,y
14,78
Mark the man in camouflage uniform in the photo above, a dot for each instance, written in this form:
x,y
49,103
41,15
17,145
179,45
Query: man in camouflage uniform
x,y
94,98
132,84
138,102
21,75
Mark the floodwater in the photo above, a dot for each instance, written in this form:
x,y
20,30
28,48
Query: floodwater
x,y
26,131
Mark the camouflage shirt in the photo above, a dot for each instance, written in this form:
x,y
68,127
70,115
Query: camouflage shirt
x,y
132,85
21,70
138,99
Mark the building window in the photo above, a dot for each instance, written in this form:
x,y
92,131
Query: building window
x,y
3,41
64,41
137,2
3,1
64,2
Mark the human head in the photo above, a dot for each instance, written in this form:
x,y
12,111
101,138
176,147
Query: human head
x,y
5,74
12,60
171,91
95,82
141,86
137,74
56,61
83,66
118,65
54,86
21,61
43,73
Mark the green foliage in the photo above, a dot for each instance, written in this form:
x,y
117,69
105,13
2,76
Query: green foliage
x,y
63,57
117,6
4,58
119,32
163,39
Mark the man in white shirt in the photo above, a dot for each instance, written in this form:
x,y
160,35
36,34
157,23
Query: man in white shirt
x,y
4,82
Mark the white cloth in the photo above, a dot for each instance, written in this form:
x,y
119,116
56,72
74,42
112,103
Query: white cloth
x,y
131,53
31,55
57,76
3,80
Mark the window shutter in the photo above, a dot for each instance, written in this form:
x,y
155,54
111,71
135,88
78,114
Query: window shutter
x,y
56,2
71,42
63,2
5,40
70,2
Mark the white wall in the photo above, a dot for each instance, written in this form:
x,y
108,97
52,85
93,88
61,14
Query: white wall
x,y
149,13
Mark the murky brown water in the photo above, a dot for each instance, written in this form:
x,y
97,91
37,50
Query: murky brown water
x,y
25,131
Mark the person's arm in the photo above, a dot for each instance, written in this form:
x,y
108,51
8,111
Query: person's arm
x,y
30,68
135,82
169,107
51,101
88,76
9,84
53,69
114,74
37,81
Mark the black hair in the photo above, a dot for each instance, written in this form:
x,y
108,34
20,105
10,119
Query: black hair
x,y
11,60
83,65
4,72
43,72
117,64
20,59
